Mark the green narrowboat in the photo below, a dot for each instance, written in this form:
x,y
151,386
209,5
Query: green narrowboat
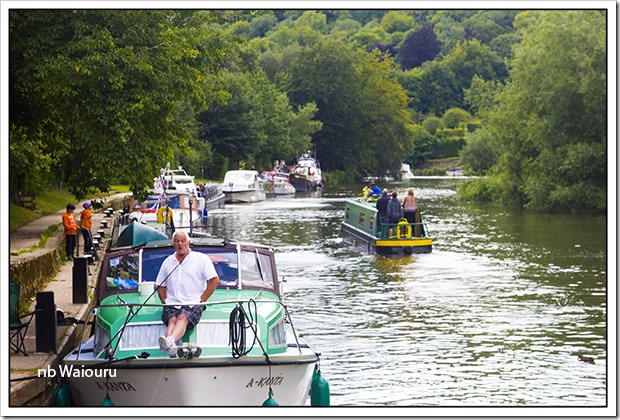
x,y
361,227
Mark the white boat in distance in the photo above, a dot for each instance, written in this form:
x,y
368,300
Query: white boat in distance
x,y
277,183
177,181
405,172
307,175
242,187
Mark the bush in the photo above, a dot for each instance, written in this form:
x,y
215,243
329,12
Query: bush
x,y
452,117
476,155
448,147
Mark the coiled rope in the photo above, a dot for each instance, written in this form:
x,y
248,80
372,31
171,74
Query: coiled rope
x,y
237,328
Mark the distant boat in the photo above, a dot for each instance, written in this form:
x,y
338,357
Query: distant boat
x,y
455,172
307,175
405,172
277,183
178,181
242,187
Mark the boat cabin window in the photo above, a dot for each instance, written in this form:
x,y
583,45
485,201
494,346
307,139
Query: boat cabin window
x,y
122,272
256,270
362,217
346,213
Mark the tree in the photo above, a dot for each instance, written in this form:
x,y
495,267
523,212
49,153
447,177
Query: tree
x,y
366,126
257,124
477,155
419,46
424,143
440,85
98,90
452,117
549,124
431,124
394,21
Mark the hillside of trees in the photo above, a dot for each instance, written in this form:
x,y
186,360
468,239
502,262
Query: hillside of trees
x,y
100,97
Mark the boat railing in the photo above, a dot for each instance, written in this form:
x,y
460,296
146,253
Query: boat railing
x,y
402,229
135,307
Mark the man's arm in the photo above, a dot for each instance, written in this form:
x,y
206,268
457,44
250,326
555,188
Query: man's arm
x,y
162,291
211,286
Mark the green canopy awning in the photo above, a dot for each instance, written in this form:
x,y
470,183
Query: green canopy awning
x,y
136,234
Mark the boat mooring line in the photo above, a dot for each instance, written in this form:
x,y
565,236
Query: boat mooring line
x,y
158,382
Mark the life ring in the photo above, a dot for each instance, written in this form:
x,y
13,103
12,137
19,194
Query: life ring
x,y
407,228
160,215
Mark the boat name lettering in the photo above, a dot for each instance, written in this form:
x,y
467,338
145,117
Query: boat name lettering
x,y
265,381
70,371
115,386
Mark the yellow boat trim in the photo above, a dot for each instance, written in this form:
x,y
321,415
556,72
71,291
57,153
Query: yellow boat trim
x,y
404,242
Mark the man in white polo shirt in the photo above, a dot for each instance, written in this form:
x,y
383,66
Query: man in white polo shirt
x,y
188,279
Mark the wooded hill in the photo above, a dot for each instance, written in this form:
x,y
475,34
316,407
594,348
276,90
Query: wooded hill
x,y
99,97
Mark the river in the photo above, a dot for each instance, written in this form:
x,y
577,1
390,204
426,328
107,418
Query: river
x,y
495,316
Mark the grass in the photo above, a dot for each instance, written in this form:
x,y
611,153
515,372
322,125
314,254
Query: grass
x,y
45,235
49,202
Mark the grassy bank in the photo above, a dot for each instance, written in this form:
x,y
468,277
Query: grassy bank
x,y
50,202
434,167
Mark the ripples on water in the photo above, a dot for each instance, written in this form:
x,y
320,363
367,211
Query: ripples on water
x,y
495,316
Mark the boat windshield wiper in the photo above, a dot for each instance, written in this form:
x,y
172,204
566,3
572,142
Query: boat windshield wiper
x,y
260,267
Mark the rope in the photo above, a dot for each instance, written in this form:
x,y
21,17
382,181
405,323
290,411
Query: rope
x,y
237,328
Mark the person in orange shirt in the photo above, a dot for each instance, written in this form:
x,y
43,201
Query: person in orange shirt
x,y
71,227
86,224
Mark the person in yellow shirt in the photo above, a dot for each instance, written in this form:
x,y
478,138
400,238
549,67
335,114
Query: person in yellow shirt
x,y
86,224
71,227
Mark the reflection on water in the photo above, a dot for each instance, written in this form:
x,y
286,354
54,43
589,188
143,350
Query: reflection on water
x,y
495,316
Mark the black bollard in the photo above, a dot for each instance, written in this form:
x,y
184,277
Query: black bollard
x,y
45,320
80,280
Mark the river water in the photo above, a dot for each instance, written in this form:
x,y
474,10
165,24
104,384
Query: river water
x,y
495,316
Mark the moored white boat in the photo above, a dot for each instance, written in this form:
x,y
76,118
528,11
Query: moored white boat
x,y
242,187
307,175
243,350
276,183
173,182
169,213
405,172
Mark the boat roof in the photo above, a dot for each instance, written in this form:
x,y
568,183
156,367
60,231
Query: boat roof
x,y
356,202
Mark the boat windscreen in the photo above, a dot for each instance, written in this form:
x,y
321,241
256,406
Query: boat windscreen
x,y
256,271
224,260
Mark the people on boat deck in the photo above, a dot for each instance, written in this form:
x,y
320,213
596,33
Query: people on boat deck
x,y
409,206
381,205
71,227
374,191
393,209
186,279
85,226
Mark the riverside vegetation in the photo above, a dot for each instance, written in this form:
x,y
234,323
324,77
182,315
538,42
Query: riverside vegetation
x,y
517,95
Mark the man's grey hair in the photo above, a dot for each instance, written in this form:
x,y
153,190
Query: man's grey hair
x,y
181,233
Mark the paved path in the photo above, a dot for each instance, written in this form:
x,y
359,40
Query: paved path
x,y
29,235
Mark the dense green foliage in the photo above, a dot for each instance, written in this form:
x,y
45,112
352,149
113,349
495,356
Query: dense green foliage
x,y
548,125
99,97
